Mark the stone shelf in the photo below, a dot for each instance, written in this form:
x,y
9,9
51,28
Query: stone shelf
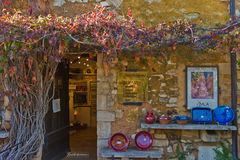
x,y
130,153
188,126
4,134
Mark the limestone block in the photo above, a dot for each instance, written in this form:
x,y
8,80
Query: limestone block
x,y
104,129
160,143
103,88
225,134
190,134
171,72
105,116
119,113
171,105
163,100
101,102
101,143
210,136
163,85
174,89
110,100
173,100
100,74
163,95
160,136
206,151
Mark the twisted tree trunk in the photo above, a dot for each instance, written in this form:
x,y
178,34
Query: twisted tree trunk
x,y
28,84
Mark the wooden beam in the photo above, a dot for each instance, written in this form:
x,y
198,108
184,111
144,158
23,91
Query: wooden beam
x,y
233,64
234,102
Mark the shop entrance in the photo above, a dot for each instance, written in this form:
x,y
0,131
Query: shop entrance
x,y
82,106
71,128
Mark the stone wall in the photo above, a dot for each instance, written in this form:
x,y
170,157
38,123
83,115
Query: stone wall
x,y
166,91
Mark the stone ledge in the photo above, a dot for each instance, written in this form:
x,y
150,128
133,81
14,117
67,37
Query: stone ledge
x,y
188,126
130,153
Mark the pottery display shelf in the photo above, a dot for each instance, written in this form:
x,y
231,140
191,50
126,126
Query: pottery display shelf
x,y
189,126
130,153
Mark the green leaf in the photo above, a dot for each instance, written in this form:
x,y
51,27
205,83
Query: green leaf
x,y
1,70
3,59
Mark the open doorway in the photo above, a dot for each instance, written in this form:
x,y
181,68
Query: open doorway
x,y
82,105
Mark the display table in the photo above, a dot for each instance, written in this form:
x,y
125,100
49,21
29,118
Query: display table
x,y
130,153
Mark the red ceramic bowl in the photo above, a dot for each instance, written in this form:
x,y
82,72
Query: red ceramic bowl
x,y
143,140
165,119
118,142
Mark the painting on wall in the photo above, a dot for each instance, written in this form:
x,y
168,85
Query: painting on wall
x,y
202,87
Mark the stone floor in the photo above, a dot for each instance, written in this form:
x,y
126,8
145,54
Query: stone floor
x,y
83,145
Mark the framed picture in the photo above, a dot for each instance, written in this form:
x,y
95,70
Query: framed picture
x,y
202,87
132,87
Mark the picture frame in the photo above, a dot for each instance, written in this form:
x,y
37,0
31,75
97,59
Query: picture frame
x,y
202,86
132,88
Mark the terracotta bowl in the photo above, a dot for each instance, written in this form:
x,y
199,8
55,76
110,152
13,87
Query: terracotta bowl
x,y
182,119
143,140
165,119
118,142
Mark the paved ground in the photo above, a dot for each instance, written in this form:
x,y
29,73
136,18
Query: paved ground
x,y
83,145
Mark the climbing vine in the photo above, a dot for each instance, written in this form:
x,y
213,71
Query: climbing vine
x,y
32,47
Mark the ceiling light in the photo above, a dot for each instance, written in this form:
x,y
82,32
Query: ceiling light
x,y
87,65
79,62
87,59
71,62
84,63
79,57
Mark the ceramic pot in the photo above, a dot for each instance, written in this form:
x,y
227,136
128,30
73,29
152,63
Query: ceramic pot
x,y
150,118
143,140
165,119
182,119
118,142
